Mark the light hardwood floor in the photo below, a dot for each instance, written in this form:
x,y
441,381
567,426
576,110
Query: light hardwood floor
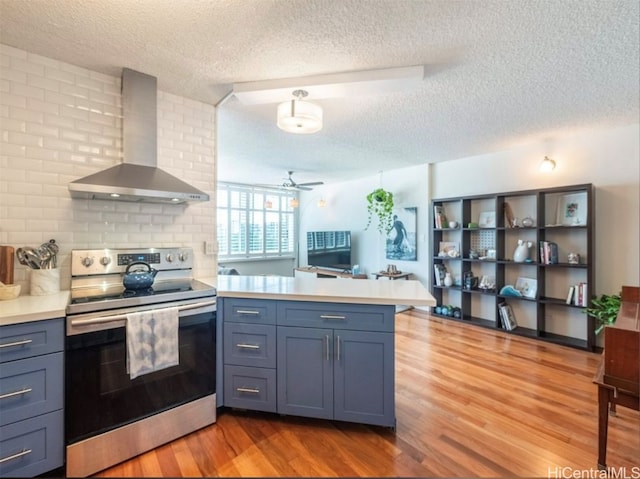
x,y
470,402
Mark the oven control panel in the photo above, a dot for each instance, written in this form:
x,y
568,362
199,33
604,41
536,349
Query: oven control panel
x,y
107,261
128,258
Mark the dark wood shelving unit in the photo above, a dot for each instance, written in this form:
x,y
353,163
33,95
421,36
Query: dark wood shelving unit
x,y
547,316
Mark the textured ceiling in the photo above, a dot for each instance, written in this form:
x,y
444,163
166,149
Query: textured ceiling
x,y
497,73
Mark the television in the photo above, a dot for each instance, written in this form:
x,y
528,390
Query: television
x,y
329,250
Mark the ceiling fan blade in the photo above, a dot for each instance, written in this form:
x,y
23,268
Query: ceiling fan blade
x,y
302,187
312,183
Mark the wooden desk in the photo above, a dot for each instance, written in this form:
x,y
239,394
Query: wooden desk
x,y
618,377
384,274
327,273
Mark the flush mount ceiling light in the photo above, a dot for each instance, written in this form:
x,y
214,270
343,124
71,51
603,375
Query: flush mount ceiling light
x,y
547,165
299,116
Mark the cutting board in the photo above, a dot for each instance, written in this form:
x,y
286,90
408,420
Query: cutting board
x,y
7,255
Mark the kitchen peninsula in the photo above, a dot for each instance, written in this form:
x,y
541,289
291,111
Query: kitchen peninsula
x,y
311,347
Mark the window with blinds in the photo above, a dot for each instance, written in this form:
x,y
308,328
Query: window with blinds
x,y
254,222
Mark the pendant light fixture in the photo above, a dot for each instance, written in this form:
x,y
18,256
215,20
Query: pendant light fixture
x,y
547,165
298,115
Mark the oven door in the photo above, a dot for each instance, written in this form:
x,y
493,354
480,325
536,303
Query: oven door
x,y
100,396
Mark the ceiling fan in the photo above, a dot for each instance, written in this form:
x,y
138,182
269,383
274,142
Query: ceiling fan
x,y
289,184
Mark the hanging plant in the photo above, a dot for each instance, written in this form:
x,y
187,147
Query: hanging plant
x,y
380,204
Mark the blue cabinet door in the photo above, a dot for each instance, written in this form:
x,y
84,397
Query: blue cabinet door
x,y
364,377
305,371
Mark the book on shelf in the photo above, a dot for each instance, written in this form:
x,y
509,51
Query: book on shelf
x,y
548,252
578,295
440,271
439,217
507,316
570,294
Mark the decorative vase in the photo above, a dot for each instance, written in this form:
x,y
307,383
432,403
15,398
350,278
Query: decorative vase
x,y
521,254
448,280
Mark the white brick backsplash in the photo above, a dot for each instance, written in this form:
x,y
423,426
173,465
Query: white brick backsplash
x,y
42,82
13,125
58,75
19,113
60,122
44,130
13,100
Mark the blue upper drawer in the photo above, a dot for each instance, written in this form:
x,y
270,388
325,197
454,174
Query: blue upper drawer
x,y
261,311
30,387
18,341
250,345
361,317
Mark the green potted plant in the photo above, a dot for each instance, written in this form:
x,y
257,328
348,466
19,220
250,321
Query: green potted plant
x,y
380,204
604,309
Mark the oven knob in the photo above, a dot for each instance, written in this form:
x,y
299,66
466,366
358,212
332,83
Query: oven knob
x,y
105,260
87,261
183,256
170,258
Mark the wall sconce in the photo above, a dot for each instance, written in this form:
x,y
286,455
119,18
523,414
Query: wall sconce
x,y
322,203
268,204
294,203
547,165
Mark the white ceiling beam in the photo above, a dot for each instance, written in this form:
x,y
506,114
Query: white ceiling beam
x,y
335,85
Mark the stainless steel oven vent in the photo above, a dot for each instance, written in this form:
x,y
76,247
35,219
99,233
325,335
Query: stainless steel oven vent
x,y
137,178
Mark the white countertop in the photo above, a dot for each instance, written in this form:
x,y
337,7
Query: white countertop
x,y
330,290
28,308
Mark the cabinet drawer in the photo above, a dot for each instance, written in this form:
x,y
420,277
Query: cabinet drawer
x,y
18,341
364,317
31,447
261,311
250,388
30,387
250,345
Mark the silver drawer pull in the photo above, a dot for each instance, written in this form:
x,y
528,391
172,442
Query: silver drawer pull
x,y
248,390
246,311
332,316
247,346
16,393
17,343
15,456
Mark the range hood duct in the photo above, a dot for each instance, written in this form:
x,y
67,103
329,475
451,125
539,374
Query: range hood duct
x,y
137,178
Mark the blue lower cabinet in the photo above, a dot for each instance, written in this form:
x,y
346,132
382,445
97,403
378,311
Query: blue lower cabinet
x,y
363,378
336,374
305,372
311,359
250,388
32,446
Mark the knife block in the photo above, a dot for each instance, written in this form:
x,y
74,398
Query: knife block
x,y
45,281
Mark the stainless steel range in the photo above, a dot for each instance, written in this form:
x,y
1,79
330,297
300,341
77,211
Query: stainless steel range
x,y
109,416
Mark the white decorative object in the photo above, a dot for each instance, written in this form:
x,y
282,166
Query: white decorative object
x,y
521,254
448,280
45,281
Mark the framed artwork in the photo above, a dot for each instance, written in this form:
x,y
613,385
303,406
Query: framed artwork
x,y
401,241
487,219
528,287
572,210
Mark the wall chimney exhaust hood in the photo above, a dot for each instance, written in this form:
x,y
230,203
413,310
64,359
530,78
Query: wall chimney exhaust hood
x,y
137,178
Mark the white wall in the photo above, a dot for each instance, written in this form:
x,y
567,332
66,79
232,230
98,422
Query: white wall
x,y
346,209
608,158
60,122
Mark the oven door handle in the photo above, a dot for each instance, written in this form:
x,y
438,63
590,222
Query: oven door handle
x,y
123,317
